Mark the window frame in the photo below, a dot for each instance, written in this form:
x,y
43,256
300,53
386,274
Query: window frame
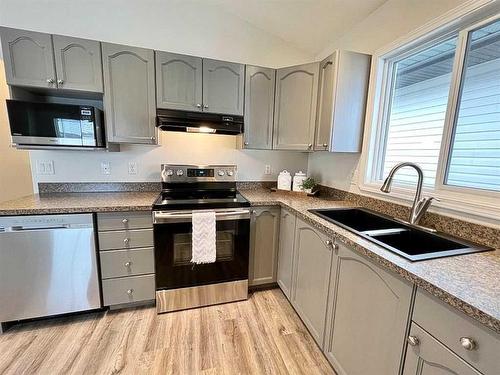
x,y
472,203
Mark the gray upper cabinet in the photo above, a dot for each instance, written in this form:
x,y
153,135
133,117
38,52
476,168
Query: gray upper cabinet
x,y
312,263
178,81
129,100
265,230
368,313
285,256
28,57
295,107
259,107
429,357
343,87
223,87
78,64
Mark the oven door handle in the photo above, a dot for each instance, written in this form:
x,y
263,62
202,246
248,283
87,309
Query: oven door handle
x,y
160,217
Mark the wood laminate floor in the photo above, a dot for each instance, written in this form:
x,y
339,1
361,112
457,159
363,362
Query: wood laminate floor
x,y
262,335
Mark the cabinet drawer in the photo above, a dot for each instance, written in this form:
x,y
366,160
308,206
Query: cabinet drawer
x,y
127,262
125,239
124,220
449,326
128,289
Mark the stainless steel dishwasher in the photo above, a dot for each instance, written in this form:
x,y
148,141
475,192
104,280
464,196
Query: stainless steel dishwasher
x,y
48,266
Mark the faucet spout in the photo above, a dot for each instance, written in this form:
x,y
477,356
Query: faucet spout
x,y
420,204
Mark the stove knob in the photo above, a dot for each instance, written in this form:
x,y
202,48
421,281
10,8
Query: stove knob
x,y
220,173
230,173
170,172
180,172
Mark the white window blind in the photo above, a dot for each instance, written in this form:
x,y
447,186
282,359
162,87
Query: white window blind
x,y
475,153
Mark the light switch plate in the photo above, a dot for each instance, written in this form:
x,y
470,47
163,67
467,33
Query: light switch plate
x,y
268,169
132,167
45,167
105,167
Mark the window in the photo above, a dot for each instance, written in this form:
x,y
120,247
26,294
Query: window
x,y
475,151
437,104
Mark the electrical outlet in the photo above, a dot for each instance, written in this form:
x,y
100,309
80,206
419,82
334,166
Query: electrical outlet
x,y
105,167
132,167
268,169
45,167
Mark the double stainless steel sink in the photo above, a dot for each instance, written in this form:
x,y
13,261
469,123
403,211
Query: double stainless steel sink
x,y
409,241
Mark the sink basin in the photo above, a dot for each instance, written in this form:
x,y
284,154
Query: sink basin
x,y
408,241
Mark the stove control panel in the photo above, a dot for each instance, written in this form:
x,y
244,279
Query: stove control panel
x,y
197,173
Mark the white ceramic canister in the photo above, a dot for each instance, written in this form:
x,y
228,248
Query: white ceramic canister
x,y
298,179
285,180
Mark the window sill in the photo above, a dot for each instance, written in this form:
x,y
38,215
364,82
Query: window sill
x,y
479,210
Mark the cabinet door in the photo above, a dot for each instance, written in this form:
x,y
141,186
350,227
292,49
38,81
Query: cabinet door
x,y
312,263
78,63
223,86
295,107
430,357
285,256
178,81
265,228
29,58
367,317
259,107
129,99
327,72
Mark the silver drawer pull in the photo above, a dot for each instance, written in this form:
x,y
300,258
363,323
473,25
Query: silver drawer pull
x,y
413,340
126,240
128,264
468,343
130,291
125,221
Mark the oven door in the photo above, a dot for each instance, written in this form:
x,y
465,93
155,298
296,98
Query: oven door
x,y
173,243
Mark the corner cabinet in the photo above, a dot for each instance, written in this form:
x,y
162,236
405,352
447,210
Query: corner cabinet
x,y
343,87
29,59
368,314
264,237
179,81
223,87
259,107
312,264
129,100
295,107
285,256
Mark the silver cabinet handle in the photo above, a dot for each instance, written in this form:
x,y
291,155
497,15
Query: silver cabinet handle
x,y
126,240
285,214
246,143
468,343
60,81
328,243
128,264
253,212
205,106
153,139
327,63
50,81
130,291
125,221
413,340
325,145
309,146
198,105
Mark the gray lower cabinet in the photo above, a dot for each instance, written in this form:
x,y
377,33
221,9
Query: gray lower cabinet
x,y
29,58
368,315
178,81
127,257
264,240
223,87
78,64
295,107
259,107
343,87
428,356
311,277
285,255
129,99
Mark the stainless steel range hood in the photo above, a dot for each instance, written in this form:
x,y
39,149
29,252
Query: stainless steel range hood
x,y
198,122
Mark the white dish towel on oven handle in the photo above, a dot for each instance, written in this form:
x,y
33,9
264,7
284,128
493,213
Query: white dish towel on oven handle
x,y
203,241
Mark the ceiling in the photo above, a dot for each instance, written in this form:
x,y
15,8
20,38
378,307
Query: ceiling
x,y
309,25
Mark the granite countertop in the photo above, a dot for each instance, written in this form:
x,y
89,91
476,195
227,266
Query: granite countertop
x,y
470,283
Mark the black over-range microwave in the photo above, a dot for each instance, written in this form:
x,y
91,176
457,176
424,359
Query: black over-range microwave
x,y
52,124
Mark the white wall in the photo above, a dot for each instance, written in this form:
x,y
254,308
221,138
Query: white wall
x,y
192,27
389,22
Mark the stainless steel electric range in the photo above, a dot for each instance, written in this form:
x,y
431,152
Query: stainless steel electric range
x,y
181,284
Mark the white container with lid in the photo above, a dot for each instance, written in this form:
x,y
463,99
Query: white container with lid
x,y
298,179
285,180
